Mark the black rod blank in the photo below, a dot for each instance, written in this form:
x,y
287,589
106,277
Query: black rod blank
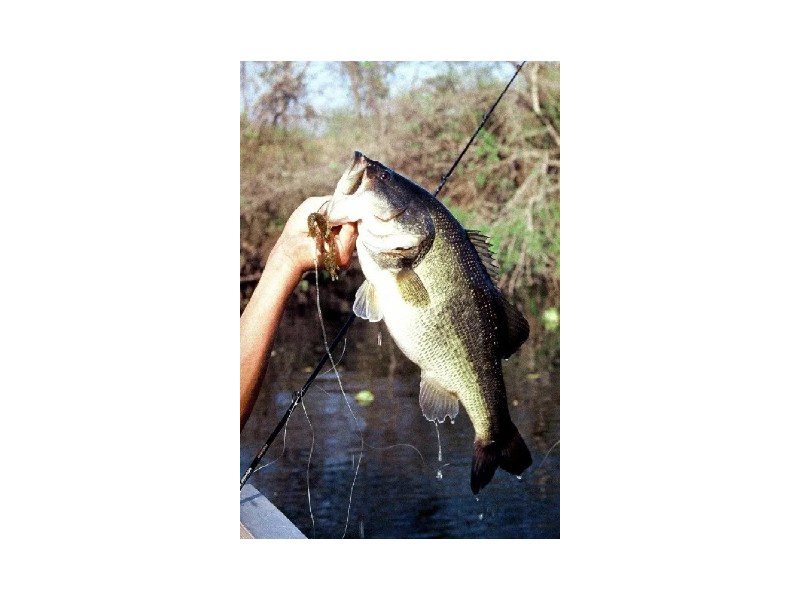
x,y
298,396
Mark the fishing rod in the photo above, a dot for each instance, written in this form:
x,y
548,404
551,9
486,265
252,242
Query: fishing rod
x,y
298,395
483,122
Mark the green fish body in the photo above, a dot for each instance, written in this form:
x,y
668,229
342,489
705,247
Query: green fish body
x,y
430,281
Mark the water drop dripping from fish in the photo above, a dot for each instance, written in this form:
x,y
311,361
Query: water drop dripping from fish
x,y
438,440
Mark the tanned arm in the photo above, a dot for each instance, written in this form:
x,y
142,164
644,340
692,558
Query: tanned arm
x,y
292,255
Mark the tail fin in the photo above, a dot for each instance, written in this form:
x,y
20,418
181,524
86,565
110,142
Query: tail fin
x,y
512,456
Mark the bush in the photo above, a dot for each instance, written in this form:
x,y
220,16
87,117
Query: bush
x,y
507,185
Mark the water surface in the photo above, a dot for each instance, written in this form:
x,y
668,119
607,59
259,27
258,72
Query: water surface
x,y
397,493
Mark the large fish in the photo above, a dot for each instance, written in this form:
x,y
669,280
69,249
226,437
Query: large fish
x,y
431,281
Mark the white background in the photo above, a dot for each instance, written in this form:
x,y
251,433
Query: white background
x,y
118,239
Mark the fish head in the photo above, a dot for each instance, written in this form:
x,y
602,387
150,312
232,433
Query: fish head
x,y
395,226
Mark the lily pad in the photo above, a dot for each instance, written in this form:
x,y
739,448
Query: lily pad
x,y
365,397
550,319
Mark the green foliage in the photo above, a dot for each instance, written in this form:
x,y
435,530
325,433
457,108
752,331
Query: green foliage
x,y
486,147
550,319
507,185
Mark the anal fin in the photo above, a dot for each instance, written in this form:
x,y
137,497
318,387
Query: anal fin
x,y
436,401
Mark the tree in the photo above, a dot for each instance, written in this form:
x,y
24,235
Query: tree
x,y
368,82
284,95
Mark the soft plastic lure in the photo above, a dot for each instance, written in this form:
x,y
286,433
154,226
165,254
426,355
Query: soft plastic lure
x,y
319,228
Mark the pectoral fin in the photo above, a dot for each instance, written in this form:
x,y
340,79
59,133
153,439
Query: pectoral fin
x,y
436,401
412,290
366,304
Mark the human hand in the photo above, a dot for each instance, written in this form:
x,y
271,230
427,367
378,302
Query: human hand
x,y
296,249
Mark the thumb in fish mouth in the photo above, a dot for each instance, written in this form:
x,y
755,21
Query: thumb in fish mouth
x,y
346,209
345,240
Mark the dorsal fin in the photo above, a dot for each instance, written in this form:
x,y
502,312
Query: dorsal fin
x,y
481,244
513,328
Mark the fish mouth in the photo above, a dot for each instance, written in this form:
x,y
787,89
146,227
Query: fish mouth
x,y
355,179
392,244
361,175
359,178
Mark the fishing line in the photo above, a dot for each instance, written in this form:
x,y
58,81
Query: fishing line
x,y
273,461
360,456
547,454
383,448
341,388
338,362
353,485
308,472
393,446
298,396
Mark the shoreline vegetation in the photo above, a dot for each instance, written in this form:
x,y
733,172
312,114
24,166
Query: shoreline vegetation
x,y
506,186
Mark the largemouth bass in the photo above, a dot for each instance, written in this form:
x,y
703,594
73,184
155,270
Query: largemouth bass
x,y
430,280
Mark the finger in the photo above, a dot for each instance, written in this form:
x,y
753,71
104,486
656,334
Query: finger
x,y
314,204
346,209
346,243
298,222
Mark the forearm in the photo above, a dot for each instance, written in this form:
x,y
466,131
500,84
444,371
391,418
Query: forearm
x,y
258,325
294,253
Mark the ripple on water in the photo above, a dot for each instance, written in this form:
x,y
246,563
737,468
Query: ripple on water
x,y
394,495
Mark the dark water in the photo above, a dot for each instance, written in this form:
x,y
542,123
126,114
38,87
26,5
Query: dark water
x,y
398,493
